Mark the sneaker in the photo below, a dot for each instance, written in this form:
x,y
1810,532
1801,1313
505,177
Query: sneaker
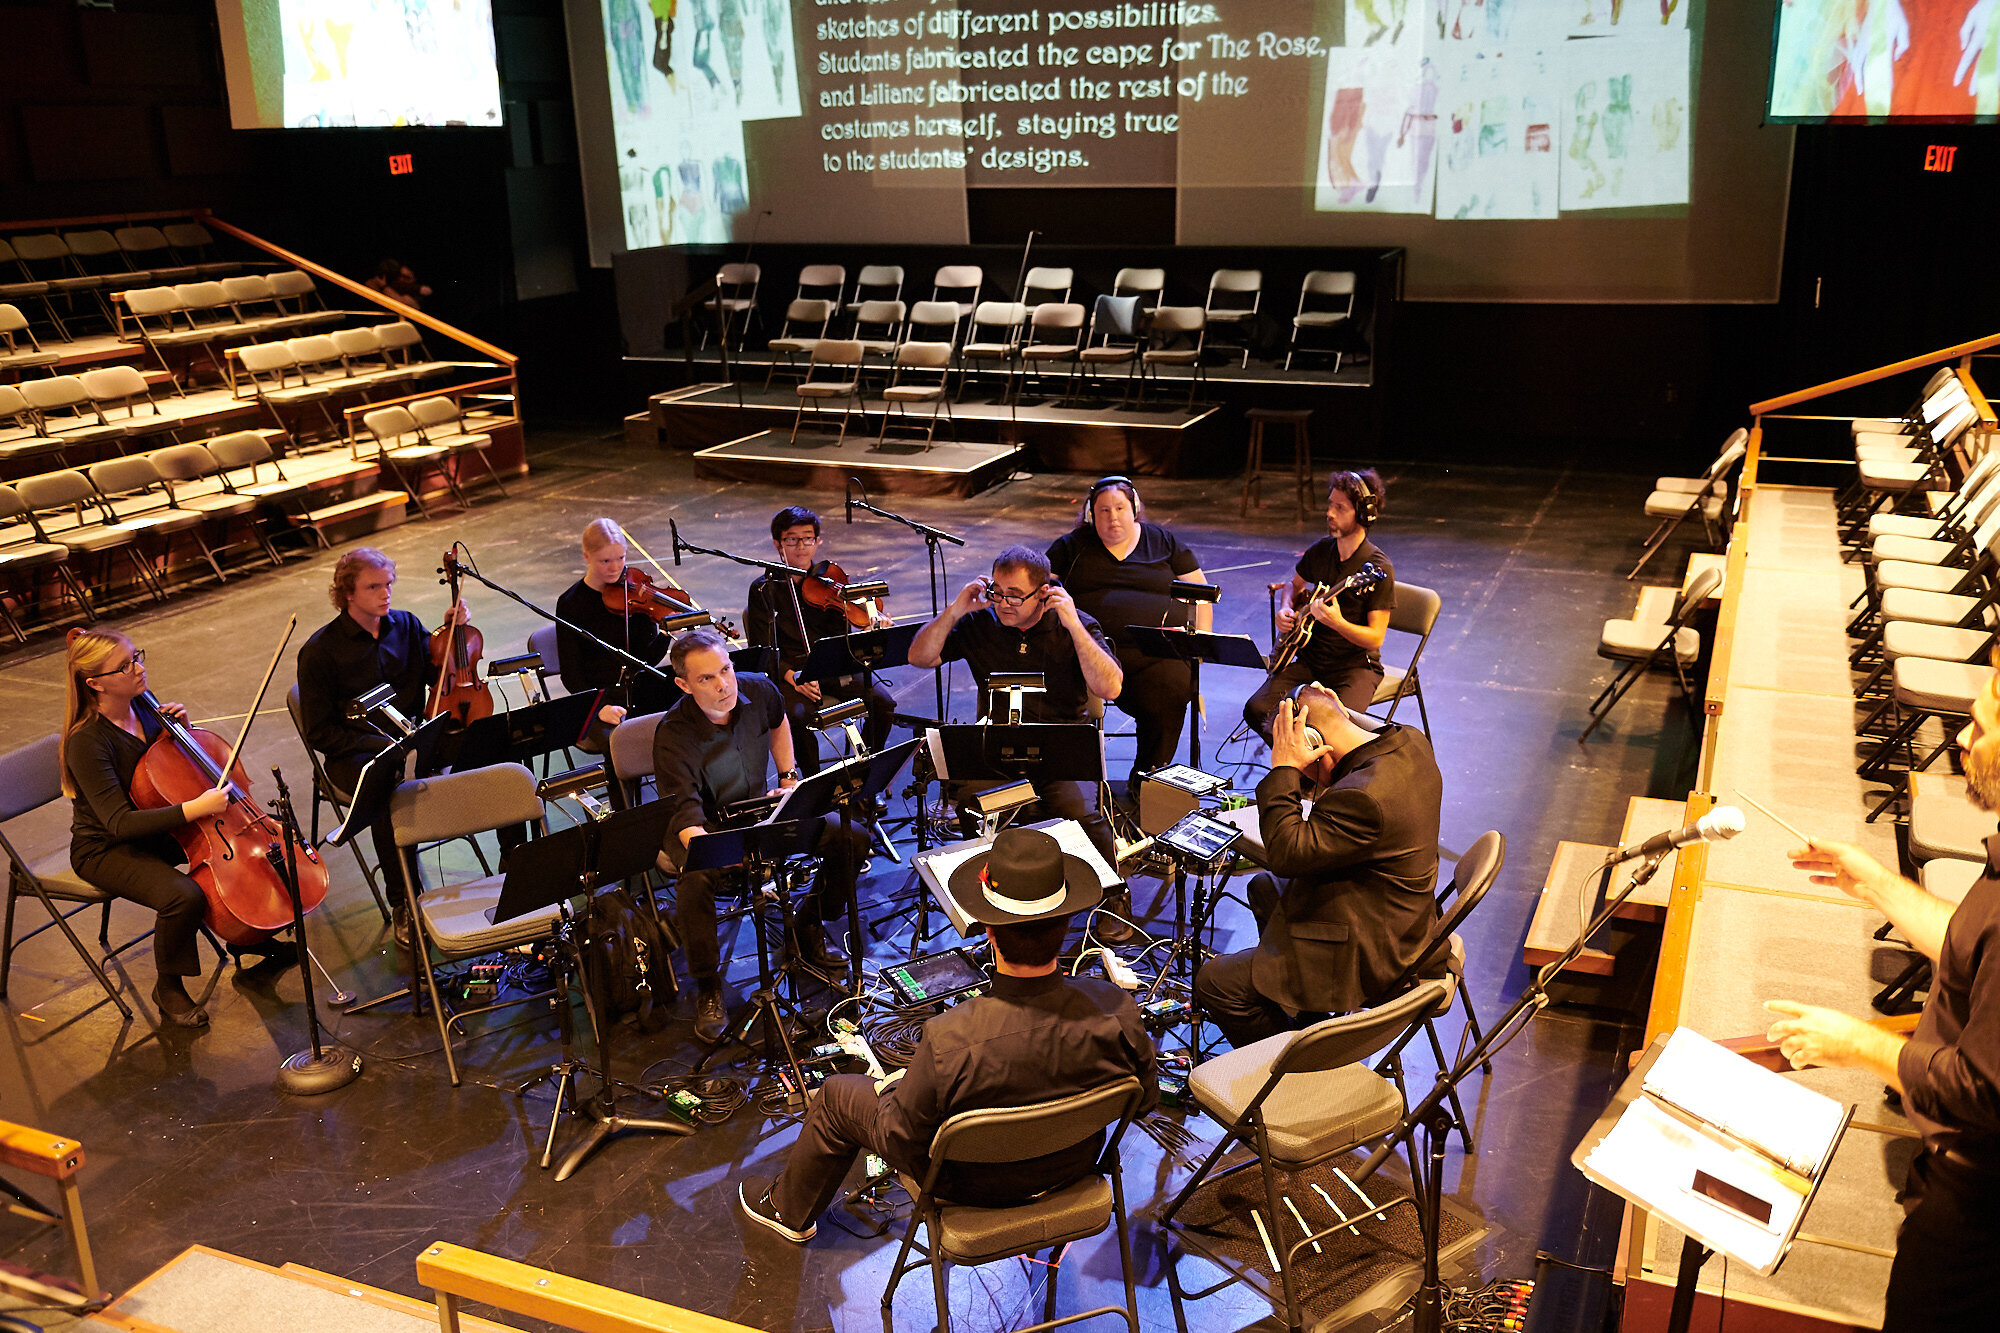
x,y
1110,923
754,1196
710,1019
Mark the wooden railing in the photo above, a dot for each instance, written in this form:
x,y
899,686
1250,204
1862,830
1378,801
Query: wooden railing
x,y
1958,351
455,1274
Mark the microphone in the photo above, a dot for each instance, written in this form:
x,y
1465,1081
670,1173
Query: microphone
x,y
674,530
1718,825
853,485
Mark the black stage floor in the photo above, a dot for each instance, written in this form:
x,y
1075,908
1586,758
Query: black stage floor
x,y
187,1143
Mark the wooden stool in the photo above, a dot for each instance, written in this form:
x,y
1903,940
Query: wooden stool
x,y
1302,466
43,1154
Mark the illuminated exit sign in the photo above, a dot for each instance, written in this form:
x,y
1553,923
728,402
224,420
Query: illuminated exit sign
x,y
1938,156
400,164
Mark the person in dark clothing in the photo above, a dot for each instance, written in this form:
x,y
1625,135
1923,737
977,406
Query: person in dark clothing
x,y
583,664
366,644
1119,568
1356,906
772,620
1345,651
113,844
1038,1035
1946,1274
713,749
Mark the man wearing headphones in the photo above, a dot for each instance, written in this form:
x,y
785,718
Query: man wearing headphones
x,y
1344,653
1350,905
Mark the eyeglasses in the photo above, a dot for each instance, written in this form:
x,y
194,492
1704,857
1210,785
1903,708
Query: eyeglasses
x,y
997,595
796,542
137,660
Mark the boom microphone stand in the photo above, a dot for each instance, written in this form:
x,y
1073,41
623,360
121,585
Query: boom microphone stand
x,y
771,567
933,556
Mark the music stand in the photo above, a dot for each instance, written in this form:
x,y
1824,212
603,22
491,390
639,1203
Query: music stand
x,y
552,870
384,773
1038,751
517,735
859,653
1237,650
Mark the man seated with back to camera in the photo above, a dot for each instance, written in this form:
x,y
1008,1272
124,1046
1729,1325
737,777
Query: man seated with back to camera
x,y
1355,906
713,749
1032,625
772,620
1037,1036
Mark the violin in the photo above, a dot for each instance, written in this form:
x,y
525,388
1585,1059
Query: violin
x,y
459,689
235,856
826,585
635,593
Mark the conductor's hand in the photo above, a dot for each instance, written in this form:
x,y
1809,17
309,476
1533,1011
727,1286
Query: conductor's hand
x,y
207,805
1288,739
1810,1035
1841,865
809,688
611,713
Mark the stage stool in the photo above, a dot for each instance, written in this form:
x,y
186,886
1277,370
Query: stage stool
x,y
1298,419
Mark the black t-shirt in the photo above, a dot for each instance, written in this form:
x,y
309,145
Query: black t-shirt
x,y
102,757
343,661
1329,650
583,664
1122,593
987,646
700,767
769,621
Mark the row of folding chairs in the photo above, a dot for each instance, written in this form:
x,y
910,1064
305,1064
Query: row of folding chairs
x,y
78,269
195,316
41,419
312,370
424,437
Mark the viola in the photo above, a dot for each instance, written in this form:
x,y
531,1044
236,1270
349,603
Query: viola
x,y
455,649
635,593
235,856
826,585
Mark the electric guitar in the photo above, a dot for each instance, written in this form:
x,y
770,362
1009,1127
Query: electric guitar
x,y
1301,634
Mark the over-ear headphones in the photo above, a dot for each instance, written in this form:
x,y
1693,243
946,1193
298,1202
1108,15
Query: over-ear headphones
x,y
1103,484
1367,504
1313,737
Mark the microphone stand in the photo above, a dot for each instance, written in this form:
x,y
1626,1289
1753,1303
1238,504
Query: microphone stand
x,y
631,662
933,556
321,1069
770,567
1021,278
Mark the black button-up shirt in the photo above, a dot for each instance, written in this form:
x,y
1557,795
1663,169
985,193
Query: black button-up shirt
x,y
768,620
1032,1039
583,664
987,646
343,661
1950,1067
700,766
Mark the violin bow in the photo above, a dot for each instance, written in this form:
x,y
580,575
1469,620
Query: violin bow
x,y
258,702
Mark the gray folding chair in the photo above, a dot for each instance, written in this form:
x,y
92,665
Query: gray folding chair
x,y
1416,612
1638,647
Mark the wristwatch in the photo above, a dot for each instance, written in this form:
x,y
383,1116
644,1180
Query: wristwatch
x,y
794,773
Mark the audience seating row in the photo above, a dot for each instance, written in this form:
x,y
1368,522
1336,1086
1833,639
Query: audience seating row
x,y
98,261
312,370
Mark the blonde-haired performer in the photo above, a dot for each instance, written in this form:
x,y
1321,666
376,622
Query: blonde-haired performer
x,y
367,643
584,665
113,844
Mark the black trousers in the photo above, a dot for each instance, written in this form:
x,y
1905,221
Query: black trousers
x,y
874,727
1054,800
1155,696
1227,995
1946,1275
345,771
1355,686
841,1123
141,873
694,897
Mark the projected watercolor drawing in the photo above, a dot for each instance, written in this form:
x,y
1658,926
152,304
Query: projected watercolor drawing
x,y
1885,58
1378,129
1497,136
405,62
1383,22
1598,18
1624,122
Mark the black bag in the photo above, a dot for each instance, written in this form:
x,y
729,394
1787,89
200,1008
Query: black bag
x,y
629,971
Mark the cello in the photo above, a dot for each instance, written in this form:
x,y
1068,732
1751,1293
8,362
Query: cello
x,y
459,689
237,856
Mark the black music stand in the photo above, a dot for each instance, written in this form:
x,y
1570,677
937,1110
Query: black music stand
x,y
552,870
516,735
1038,751
858,653
384,773
1237,650
845,786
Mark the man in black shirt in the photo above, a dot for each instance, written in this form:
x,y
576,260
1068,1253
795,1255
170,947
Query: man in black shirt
x,y
1345,651
584,665
1946,1274
713,749
1031,625
1038,1036
772,620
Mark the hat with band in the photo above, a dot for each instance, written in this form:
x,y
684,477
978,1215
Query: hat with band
x,y
1024,876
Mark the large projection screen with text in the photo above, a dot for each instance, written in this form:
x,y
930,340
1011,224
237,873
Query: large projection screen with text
x,y
1556,150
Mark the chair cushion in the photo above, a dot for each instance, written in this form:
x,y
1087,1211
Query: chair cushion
x,y
1904,525
459,919
1670,504
827,388
1937,608
1633,640
968,1235
1872,452
913,393
793,344
31,553
1913,638
63,883
1893,476
1943,820
1951,879
1916,550
1922,578
1939,687
1307,1116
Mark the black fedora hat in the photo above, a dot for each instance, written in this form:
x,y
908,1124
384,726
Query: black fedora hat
x,y
1024,876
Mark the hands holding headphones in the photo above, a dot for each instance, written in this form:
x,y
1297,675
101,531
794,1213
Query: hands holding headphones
x,y
1294,744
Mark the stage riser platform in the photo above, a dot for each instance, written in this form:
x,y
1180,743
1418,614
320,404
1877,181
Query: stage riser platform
x,y
821,462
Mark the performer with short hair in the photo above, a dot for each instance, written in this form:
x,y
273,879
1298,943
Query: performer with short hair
x,y
772,620
1355,905
713,749
1345,651
583,664
1038,1035
1946,1273
1119,568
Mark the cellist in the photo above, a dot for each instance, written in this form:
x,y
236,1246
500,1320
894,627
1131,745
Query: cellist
x,y
113,844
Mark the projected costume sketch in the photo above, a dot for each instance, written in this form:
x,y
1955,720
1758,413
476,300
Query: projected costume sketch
x,y
1378,130
1623,143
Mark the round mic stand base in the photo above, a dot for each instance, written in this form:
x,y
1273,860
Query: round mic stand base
x,y
310,1073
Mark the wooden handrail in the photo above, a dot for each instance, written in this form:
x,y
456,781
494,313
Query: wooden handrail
x,y
451,391
1978,399
1879,373
363,290
454,1273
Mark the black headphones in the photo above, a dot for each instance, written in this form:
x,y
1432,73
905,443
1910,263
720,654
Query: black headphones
x,y
1103,484
1370,507
1313,737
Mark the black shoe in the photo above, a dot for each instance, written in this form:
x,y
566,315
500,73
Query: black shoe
x,y
282,952
399,924
711,1020
753,1195
177,1006
809,941
1110,924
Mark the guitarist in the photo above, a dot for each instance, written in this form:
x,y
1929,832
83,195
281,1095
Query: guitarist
x,y
1343,652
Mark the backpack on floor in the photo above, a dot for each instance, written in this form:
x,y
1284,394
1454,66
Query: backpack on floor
x,y
628,970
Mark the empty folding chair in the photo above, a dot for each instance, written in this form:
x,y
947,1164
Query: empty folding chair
x,y
1326,305
157,317
362,357
191,244
1922,690
21,436
1689,485
63,409
1415,612
256,305
958,285
136,497
1673,508
878,327
1889,482
441,421
914,363
805,323
1055,335
44,257
19,349
933,322
1638,647
1145,283
403,346
409,457
207,305
268,370
17,283
822,282
1234,295
296,290
64,509
875,282
25,556
195,481
112,388
1176,336
1115,340
242,455
1951,519
1043,285
840,359
993,335
735,299
145,249
95,251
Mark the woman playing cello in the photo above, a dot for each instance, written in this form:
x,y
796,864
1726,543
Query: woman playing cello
x,y
113,844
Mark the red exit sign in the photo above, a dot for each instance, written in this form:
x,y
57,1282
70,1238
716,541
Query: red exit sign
x,y
1938,156
400,164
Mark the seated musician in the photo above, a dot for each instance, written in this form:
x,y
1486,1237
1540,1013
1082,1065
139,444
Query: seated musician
x,y
113,844
1344,653
366,644
1037,1036
1351,906
583,664
772,621
713,749
1032,624
1119,568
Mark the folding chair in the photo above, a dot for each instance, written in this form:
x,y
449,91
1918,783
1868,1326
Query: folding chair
x,y
1416,612
22,438
1001,322
408,456
1177,336
917,359
804,324
137,498
1673,507
325,789
442,422
1115,340
1225,309
1047,284
875,282
23,551
842,356
958,285
1055,336
194,480
1638,647
285,497
1335,310
64,509
735,294
14,324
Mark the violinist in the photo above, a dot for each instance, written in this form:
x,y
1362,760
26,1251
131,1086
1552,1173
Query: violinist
x,y
113,844
584,665
366,644
772,620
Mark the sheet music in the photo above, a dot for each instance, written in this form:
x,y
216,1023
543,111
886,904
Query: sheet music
x,y
1766,1110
